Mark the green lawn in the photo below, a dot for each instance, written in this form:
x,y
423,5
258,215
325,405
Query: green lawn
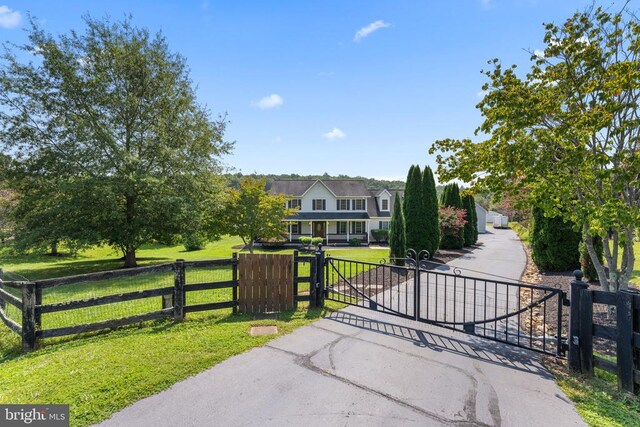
x,y
104,372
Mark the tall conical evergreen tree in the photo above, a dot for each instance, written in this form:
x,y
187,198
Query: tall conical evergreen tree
x,y
397,235
451,197
432,212
414,213
475,219
407,190
469,227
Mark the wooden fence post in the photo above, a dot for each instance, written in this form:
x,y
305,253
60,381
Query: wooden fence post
x,y
295,279
636,330
624,317
319,282
38,313
577,285
179,279
585,342
2,303
28,316
234,277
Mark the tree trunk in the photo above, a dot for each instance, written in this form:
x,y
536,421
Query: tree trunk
x,y
54,249
130,257
250,246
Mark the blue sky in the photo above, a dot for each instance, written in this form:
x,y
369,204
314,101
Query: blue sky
x,y
344,87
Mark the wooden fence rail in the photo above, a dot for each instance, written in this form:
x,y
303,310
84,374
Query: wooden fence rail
x,y
626,333
174,299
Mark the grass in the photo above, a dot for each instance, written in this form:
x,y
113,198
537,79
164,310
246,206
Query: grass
x,y
521,231
102,373
597,399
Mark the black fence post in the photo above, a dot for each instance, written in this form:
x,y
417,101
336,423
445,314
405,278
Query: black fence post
x,y
319,279
586,331
624,347
577,286
636,330
38,313
28,316
2,303
416,291
178,291
295,279
234,277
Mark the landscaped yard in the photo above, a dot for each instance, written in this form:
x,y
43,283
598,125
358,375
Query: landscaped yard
x,y
101,373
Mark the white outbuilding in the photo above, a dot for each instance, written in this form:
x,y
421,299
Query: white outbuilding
x,y
482,218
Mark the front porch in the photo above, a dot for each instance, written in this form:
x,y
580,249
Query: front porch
x,y
331,231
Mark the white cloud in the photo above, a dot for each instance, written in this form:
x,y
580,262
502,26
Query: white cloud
x,y
366,31
270,101
9,18
334,133
539,53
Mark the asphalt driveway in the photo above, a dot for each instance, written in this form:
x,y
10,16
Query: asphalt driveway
x,y
359,367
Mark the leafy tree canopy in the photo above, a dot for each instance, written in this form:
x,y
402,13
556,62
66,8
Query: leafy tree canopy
x,y
252,213
111,117
569,131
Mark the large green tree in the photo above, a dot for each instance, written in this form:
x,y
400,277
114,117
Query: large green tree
x,y
111,115
414,211
397,234
431,210
568,130
252,213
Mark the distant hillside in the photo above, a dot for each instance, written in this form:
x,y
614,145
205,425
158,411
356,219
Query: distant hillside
x,y
372,183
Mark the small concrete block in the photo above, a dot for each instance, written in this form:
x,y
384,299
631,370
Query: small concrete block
x,y
258,331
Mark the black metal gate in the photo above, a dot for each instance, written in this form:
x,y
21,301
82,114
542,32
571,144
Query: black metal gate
x,y
514,313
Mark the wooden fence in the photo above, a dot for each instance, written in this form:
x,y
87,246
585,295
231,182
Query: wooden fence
x,y
626,333
173,299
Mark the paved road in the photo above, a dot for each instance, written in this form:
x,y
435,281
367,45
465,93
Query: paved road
x,y
359,367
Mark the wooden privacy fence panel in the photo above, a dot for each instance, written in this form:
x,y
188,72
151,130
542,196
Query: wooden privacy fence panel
x,y
265,283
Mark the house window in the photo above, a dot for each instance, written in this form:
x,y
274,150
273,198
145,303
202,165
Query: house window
x,y
296,227
358,204
341,227
294,203
385,204
319,205
343,205
383,225
357,227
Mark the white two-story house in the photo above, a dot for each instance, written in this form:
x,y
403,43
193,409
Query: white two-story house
x,y
336,210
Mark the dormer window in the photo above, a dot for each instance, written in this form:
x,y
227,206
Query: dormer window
x,y
385,204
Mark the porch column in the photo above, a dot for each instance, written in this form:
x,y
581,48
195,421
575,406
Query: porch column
x,y
348,229
310,228
290,227
367,228
326,232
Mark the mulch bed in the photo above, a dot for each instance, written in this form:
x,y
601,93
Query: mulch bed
x,y
378,279
562,280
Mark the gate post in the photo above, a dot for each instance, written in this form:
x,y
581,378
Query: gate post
x,y
318,285
416,291
577,287
624,345
28,316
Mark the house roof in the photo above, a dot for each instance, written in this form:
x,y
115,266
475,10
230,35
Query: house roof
x,y
328,216
291,187
373,207
339,187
